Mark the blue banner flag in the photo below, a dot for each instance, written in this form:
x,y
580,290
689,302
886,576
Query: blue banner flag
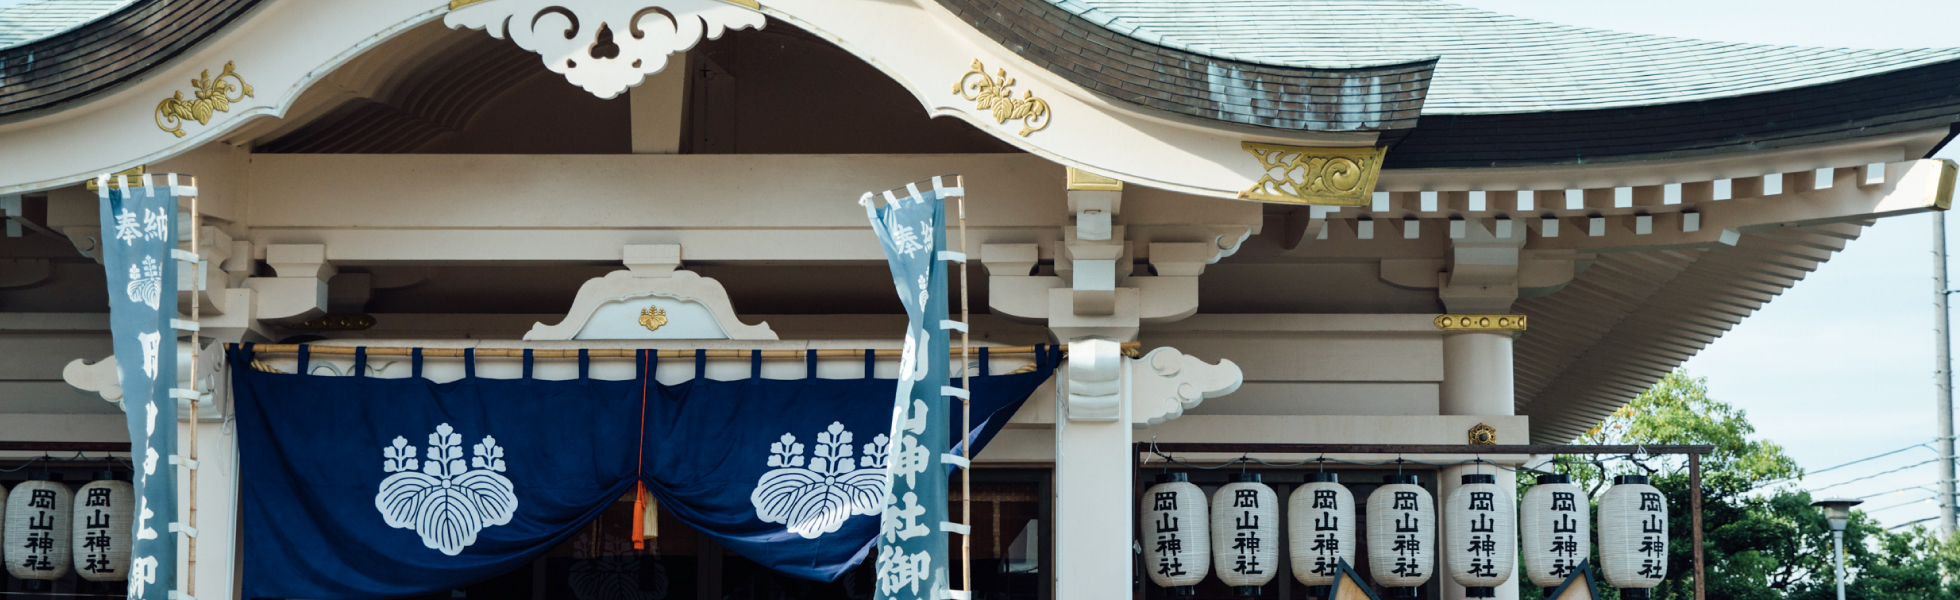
x,y
139,236
912,551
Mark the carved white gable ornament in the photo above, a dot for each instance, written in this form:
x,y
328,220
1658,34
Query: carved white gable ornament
x,y
604,46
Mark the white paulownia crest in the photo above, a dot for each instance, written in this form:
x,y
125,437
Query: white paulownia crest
x,y
605,46
444,502
146,282
816,499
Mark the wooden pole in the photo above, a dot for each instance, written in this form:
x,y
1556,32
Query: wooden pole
x,y
1239,448
1129,349
966,407
1694,510
190,576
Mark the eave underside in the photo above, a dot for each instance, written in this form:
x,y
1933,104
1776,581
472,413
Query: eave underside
x,y
1633,317
1914,99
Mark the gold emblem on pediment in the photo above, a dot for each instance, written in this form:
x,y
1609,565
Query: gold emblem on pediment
x,y
1483,435
213,96
993,94
653,318
1326,176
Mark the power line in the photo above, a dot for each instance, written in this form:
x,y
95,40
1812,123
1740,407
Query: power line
x,y
1835,467
1919,445
1919,501
1928,462
1909,524
1903,489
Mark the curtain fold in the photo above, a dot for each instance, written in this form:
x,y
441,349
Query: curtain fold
x,y
359,487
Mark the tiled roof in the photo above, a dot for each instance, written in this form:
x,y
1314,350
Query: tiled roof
x,y
36,19
1379,97
1490,63
100,52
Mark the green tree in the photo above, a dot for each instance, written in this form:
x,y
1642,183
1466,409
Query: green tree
x,y
1759,545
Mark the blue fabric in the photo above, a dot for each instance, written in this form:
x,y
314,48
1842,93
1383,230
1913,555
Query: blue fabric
x,y
316,453
912,552
139,229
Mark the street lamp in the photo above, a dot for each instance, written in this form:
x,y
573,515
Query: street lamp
x,y
1838,512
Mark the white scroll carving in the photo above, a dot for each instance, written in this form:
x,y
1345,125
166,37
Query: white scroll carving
x,y
1165,383
605,46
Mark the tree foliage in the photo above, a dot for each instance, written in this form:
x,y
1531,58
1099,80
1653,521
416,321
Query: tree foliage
x,y
1762,540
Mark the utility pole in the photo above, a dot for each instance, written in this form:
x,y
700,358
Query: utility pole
x,y
1943,376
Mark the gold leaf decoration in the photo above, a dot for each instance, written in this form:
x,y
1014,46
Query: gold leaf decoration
x,y
992,94
653,318
213,95
1327,176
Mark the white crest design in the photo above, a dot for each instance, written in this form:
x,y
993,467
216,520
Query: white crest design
x,y
616,574
816,500
146,282
605,46
442,501
151,342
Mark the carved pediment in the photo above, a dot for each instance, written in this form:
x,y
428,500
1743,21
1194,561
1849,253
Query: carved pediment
x,y
645,304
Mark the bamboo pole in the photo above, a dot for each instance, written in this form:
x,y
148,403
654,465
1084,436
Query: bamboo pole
x,y
1129,349
966,408
190,576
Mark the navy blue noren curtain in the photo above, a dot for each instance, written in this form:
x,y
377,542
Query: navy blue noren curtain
x,y
359,487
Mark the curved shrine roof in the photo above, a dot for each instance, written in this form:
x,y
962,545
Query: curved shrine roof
x,y
36,19
1490,63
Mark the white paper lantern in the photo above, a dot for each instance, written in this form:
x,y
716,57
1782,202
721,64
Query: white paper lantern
x,y
1245,533
1483,535
1633,536
1401,535
1176,536
104,521
1555,522
37,530
1320,530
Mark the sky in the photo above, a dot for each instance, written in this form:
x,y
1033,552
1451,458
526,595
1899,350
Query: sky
x,y
1840,367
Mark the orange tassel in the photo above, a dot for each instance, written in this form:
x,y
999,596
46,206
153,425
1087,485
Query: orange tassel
x,y
639,516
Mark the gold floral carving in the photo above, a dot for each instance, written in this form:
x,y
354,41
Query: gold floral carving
x,y
1480,322
1327,176
1483,435
993,94
213,95
653,318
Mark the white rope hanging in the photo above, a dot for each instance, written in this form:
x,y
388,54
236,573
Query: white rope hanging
x,y
1401,535
1556,529
1320,530
1245,533
37,530
1483,535
1176,538
105,514
1633,536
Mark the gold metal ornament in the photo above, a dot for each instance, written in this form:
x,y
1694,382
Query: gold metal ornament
x,y
1480,322
1483,435
1326,176
653,318
334,322
992,94
1084,181
213,95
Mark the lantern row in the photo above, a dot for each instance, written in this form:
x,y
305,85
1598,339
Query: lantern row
x,y
47,529
1235,534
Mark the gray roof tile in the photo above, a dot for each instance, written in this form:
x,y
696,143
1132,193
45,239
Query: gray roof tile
x,y
1490,63
36,19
